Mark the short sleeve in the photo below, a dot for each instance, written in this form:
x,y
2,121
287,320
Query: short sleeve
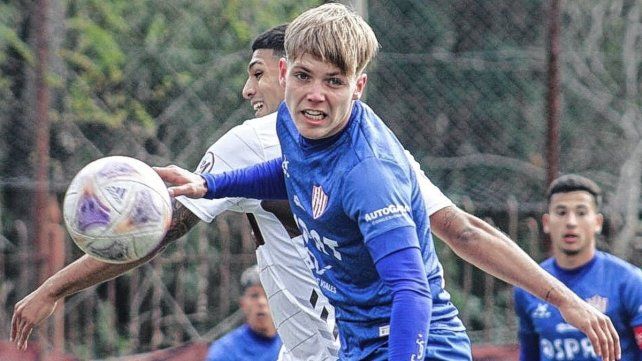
x,y
632,296
378,196
238,148
432,195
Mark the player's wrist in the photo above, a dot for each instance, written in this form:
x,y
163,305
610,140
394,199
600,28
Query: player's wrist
x,y
208,186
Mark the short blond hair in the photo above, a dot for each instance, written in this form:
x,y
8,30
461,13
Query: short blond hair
x,y
335,34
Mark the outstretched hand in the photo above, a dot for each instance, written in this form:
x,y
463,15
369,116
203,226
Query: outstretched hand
x,y
597,327
184,182
28,313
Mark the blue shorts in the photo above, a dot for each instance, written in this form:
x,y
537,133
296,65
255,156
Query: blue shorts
x,y
443,345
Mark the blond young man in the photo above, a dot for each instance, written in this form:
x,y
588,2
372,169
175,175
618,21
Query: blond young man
x,y
357,202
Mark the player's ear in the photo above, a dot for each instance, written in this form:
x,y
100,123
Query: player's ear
x,y
599,222
545,219
283,70
362,80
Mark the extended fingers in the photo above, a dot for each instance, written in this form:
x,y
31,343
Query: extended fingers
x,y
192,190
604,338
616,339
171,174
20,331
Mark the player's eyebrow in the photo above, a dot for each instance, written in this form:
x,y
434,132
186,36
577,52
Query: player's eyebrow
x,y
252,63
307,70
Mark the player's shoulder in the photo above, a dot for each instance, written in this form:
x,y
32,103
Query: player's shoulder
x,y
260,127
618,265
263,129
264,123
371,138
257,135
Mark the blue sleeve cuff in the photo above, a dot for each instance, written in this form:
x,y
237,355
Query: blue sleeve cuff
x,y
211,185
392,241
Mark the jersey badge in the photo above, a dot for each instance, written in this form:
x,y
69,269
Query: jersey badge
x,y
599,302
206,164
319,201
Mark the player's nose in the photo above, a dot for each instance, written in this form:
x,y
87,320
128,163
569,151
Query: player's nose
x,y
315,92
249,89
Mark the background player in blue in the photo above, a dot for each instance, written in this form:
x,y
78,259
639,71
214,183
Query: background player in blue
x,y
606,282
256,339
379,269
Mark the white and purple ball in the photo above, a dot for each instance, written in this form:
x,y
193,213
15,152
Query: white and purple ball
x,y
117,209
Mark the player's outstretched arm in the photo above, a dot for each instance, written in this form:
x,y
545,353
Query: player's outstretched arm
x,y
81,274
489,249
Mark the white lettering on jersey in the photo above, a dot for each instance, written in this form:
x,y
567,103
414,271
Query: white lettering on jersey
x,y
392,209
566,348
564,327
297,202
321,243
284,165
326,285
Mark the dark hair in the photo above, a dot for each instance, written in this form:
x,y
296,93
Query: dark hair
x,y
250,277
271,39
573,182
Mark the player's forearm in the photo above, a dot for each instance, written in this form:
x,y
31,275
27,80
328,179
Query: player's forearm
x,y
489,249
81,274
260,181
87,271
403,272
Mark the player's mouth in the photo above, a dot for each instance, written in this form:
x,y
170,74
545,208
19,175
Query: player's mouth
x,y
314,116
257,106
570,237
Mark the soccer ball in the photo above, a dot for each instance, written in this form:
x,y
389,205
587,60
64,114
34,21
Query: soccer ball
x,y
117,209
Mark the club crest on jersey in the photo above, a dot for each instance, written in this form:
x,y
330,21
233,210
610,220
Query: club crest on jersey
x,y
206,164
599,302
319,201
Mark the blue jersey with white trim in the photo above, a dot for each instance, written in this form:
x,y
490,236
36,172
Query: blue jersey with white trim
x,y
344,191
606,282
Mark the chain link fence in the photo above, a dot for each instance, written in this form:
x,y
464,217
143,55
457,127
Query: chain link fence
x,y
462,83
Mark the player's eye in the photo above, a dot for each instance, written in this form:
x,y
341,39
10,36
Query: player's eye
x,y
258,75
301,75
335,81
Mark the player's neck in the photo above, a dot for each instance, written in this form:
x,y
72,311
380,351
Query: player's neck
x,y
573,261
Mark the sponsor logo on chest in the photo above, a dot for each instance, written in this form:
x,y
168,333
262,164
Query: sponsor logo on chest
x,y
541,311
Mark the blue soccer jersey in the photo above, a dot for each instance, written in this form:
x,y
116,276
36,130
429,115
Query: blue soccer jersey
x,y
606,282
344,192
